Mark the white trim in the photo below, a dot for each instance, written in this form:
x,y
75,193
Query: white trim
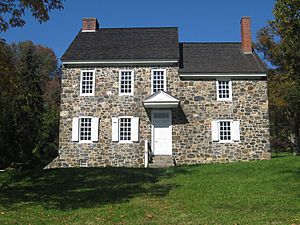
x,y
231,130
135,129
94,81
126,141
75,129
79,122
165,79
152,129
204,76
88,31
161,104
115,129
75,62
95,129
132,83
230,90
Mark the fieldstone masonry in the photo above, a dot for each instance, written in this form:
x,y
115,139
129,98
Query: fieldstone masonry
x,y
191,121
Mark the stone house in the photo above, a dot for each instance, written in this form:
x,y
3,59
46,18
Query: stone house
x,y
137,97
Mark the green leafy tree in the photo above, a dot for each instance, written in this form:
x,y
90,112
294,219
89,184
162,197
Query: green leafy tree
x,y
29,113
279,42
7,102
12,11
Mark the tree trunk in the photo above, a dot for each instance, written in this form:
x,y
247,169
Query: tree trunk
x,y
297,137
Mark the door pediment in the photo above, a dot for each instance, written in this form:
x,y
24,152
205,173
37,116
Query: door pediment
x,y
161,99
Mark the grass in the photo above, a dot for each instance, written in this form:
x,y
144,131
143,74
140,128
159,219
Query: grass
x,y
263,192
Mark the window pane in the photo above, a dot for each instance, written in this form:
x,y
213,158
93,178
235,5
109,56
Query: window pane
x,y
224,92
225,130
158,81
126,81
87,82
85,129
125,129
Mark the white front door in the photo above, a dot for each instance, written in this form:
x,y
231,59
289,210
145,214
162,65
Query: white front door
x,y
162,132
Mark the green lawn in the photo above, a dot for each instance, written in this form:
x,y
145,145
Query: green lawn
x,y
264,192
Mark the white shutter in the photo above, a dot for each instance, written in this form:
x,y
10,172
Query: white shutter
x,y
235,130
75,128
214,130
135,129
115,129
95,129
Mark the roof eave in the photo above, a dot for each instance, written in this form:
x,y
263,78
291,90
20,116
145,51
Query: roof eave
x,y
119,61
231,75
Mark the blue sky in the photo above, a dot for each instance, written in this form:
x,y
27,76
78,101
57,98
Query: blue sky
x,y
198,20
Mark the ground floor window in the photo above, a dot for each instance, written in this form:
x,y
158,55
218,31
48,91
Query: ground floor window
x,y
125,129
85,128
225,130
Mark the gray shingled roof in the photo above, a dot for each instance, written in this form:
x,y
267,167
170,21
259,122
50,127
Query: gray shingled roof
x,y
218,58
125,43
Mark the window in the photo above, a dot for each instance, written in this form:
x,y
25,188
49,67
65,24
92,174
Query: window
x,y
85,129
126,82
125,129
87,82
224,92
225,130
158,80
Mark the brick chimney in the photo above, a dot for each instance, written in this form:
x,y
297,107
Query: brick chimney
x,y
89,25
246,35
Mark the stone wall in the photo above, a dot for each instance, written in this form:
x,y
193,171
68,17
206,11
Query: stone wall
x,y
191,121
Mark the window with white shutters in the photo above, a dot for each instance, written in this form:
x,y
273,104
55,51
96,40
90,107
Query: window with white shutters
x,y
158,80
225,131
125,129
85,129
87,83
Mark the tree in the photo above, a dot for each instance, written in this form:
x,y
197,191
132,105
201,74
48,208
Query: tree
x,y
7,101
12,11
29,98
279,42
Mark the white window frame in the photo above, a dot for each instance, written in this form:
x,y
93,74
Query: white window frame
x,y
165,79
230,90
93,88
231,131
79,133
132,83
119,129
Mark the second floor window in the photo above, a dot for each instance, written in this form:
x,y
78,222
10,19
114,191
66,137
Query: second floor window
x,y
159,80
126,82
87,83
224,90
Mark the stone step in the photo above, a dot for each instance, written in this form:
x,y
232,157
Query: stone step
x,y
160,161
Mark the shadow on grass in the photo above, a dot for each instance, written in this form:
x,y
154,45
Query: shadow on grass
x,y
68,189
281,154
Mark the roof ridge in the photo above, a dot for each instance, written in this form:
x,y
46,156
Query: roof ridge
x,y
209,42
111,28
